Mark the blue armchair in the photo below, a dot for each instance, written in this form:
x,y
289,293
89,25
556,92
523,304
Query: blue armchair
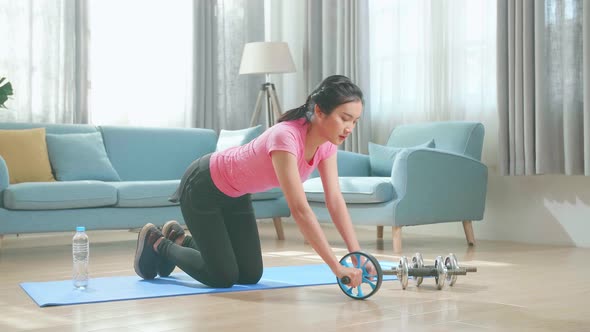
x,y
426,173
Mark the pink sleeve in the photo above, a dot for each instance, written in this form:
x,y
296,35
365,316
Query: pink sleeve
x,y
329,151
282,140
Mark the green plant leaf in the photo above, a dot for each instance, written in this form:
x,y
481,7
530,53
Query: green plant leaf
x,y
6,90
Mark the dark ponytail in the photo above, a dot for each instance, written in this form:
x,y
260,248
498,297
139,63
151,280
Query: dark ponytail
x,y
334,91
296,113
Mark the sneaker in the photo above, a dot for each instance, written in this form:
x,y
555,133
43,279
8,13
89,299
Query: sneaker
x,y
171,230
146,259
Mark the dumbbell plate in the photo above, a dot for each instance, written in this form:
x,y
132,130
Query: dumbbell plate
x,y
452,264
442,272
402,269
418,262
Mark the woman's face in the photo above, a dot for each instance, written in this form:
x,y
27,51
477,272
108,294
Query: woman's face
x,y
336,126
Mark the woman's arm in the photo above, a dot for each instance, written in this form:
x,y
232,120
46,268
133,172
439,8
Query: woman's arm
x,y
335,203
285,165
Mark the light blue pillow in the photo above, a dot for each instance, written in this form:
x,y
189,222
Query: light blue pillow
x,y
381,157
76,157
231,138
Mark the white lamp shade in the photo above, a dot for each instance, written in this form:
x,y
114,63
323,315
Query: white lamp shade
x,y
266,58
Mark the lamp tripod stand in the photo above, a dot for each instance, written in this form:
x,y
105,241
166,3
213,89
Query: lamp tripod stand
x,y
273,111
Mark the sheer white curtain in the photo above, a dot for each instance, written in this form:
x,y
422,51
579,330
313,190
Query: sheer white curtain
x,y
562,122
327,37
140,62
175,63
238,22
433,60
43,56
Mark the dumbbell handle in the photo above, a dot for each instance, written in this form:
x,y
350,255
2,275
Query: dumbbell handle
x,y
414,272
465,268
425,272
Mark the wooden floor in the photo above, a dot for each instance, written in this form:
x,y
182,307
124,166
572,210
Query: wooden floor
x,y
517,287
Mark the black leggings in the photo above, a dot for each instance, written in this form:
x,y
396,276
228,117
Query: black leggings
x,y
226,247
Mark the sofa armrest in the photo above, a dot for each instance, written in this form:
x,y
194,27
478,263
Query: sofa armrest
x,y
4,179
437,186
350,164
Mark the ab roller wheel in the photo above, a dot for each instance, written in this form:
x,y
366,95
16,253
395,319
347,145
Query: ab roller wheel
x,y
371,282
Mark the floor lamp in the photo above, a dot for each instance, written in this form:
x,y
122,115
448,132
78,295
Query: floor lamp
x,y
266,58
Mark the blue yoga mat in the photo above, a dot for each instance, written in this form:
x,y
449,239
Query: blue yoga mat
x,y
55,293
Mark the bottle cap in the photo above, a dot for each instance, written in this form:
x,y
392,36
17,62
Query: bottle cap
x,y
80,229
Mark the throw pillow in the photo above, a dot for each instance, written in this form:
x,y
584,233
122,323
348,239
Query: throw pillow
x,y
80,157
231,138
381,157
25,154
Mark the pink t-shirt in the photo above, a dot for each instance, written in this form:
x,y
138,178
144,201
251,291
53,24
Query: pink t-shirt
x,y
248,168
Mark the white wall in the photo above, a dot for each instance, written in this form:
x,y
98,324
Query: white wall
x,y
544,209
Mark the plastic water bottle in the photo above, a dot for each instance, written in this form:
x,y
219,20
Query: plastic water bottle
x,y
80,253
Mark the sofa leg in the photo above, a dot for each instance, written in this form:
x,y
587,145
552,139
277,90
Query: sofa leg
x,y
468,228
397,239
380,232
279,228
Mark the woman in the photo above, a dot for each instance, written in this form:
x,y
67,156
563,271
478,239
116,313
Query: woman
x,y
214,195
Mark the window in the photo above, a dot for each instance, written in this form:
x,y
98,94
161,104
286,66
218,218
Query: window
x,y
140,58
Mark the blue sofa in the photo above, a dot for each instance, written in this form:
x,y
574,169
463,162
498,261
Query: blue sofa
x,y
149,163
435,175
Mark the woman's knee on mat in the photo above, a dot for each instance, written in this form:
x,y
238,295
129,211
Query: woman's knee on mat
x,y
223,276
250,276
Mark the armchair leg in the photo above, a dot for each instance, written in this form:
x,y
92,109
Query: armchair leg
x,y
380,232
468,228
279,227
397,239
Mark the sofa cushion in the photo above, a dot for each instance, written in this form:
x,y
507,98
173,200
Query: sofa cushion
x,y
59,195
381,157
354,189
155,154
25,154
145,193
231,138
269,194
80,157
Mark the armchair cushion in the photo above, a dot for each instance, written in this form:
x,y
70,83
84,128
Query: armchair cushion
x,y
381,157
80,157
354,189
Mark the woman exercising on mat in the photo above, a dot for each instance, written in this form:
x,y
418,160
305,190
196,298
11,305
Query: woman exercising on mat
x,y
214,195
